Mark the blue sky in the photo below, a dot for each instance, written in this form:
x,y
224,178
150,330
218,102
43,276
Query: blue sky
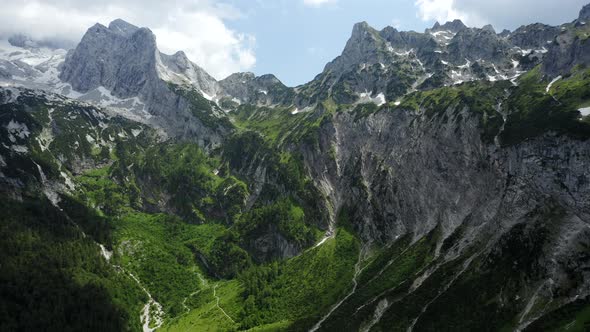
x,y
295,41
292,39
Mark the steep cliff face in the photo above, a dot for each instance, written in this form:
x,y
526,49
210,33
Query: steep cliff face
x,y
124,60
399,173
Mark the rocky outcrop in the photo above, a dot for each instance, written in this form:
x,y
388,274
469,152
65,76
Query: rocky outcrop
x,y
584,14
534,36
570,48
247,88
124,59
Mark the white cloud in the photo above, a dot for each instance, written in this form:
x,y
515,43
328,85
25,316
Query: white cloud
x,y
440,10
318,3
500,13
197,27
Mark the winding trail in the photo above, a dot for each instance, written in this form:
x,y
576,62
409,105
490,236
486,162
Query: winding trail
x,y
217,304
357,272
203,282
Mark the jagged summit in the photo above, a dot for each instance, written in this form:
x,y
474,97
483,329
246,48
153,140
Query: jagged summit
x,y
120,58
360,27
585,13
122,26
246,87
453,26
488,27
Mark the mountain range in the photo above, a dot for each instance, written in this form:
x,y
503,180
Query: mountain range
x,y
435,181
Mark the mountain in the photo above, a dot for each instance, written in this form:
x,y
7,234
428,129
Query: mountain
x,y
422,181
384,65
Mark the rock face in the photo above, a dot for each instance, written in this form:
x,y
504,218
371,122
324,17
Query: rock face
x,y
398,173
570,48
124,59
263,90
584,13
534,36
120,59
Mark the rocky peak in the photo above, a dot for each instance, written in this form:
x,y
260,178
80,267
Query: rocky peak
x,y
489,28
534,36
119,58
585,13
122,27
505,33
269,78
181,60
453,26
248,88
360,29
242,76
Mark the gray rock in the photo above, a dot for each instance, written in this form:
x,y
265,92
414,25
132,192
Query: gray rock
x,y
125,60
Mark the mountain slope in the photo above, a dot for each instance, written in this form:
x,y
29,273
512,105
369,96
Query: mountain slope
x,y
422,181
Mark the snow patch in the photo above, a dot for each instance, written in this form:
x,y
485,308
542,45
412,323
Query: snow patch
x,y
18,129
380,99
367,97
585,111
105,253
297,110
69,183
90,139
551,83
136,132
515,63
466,65
19,148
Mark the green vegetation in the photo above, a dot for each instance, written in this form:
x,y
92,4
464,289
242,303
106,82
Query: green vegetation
x,y
387,275
277,125
573,89
302,287
223,239
205,110
198,190
574,317
53,278
532,111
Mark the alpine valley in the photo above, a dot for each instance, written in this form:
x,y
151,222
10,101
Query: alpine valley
x,y
435,181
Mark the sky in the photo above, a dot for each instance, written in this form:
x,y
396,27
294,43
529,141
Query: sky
x,y
293,39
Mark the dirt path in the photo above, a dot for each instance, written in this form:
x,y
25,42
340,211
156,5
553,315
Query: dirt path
x,y
217,304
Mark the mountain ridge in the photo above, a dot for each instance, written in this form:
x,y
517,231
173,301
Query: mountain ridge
x,y
418,170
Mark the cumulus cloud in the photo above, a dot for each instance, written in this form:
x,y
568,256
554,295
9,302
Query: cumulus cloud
x,y
500,13
197,27
318,3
